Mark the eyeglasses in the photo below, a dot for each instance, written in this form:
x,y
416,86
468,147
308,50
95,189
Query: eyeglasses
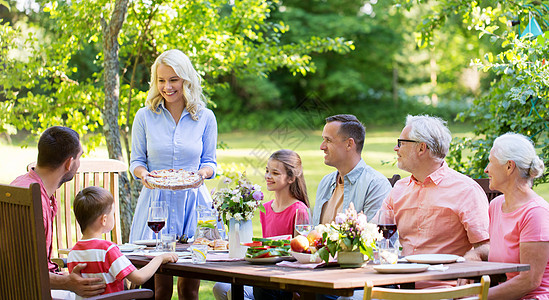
x,y
399,142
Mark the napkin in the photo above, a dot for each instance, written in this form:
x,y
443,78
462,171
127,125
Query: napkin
x,y
440,267
296,264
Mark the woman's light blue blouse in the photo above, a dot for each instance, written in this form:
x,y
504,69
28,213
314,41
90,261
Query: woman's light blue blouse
x,y
159,143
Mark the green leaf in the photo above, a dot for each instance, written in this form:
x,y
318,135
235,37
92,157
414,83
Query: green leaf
x,y
324,254
5,3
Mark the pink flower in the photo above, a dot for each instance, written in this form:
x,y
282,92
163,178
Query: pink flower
x,y
340,218
258,195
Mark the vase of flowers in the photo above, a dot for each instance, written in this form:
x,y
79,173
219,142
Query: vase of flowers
x,y
350,236
236,205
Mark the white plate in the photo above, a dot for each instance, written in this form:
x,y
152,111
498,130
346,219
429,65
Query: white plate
x,y
401,268
267,260
180,254
432,258
305,258
130,247
218,251
149,243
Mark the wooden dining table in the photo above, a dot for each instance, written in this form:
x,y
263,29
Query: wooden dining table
x,y
329,279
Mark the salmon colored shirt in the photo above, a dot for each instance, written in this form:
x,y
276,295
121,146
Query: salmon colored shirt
x,y
49,210
529,223
446,214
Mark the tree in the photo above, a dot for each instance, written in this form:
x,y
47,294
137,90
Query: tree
x,y
517,98
40,89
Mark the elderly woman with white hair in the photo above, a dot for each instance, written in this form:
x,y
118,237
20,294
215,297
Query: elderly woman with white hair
x,y
519,219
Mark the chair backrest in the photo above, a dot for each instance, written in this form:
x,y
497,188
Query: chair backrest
x,y
479,290
485,184
92,172
23,261
394,179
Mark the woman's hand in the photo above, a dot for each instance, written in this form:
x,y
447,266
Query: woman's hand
x,y
205,172
142,172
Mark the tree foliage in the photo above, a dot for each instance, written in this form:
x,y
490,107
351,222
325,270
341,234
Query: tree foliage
x,y
42,86
517,99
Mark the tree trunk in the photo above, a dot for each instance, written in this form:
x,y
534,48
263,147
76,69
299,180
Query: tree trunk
x,y
111,64
395,83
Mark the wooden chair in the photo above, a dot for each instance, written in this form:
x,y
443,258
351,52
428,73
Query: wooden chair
x,y
92,172
479,290
394,179
23,260
485,184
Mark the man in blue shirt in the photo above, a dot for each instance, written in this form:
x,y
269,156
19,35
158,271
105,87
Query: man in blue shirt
x,y
353,181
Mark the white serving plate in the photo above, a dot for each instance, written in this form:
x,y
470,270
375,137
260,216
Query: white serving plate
x,y
180,254
218,251
305,258
130,247
432,258
401,268
149,243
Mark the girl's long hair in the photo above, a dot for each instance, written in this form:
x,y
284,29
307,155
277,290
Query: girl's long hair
x,y
294,169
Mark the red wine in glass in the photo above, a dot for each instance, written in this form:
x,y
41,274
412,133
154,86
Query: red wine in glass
x,y
387,229
157,220
156,226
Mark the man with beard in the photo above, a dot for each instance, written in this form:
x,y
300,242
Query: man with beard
x,y
353,181
59,152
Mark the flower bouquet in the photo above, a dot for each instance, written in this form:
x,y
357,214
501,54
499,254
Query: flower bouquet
x,y
239,200
349,232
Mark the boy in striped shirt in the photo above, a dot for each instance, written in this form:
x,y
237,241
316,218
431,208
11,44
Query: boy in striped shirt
x,y
94,211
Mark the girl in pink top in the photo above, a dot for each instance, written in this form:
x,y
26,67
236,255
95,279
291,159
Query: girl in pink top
x,y
284,177
519,219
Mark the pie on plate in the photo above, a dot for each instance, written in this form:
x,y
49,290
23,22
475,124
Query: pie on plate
x,y
172,179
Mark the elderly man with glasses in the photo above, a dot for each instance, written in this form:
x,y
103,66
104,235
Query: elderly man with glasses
x,y
437,210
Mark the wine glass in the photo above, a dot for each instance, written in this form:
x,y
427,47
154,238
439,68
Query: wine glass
x,y
385,220
303,223
157,220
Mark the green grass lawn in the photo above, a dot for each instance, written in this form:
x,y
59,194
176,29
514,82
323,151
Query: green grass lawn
x,y
250,150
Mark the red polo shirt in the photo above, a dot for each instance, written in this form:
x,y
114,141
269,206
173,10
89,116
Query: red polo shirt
x,y
49,209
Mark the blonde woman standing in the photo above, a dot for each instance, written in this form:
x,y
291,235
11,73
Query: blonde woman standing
x,y
174,131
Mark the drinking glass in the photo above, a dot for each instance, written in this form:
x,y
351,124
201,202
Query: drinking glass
x,y
168,242
385,220
157,220
199,253
303,224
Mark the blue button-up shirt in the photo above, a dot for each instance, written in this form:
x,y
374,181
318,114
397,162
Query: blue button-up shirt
x,y
159,143
364,186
